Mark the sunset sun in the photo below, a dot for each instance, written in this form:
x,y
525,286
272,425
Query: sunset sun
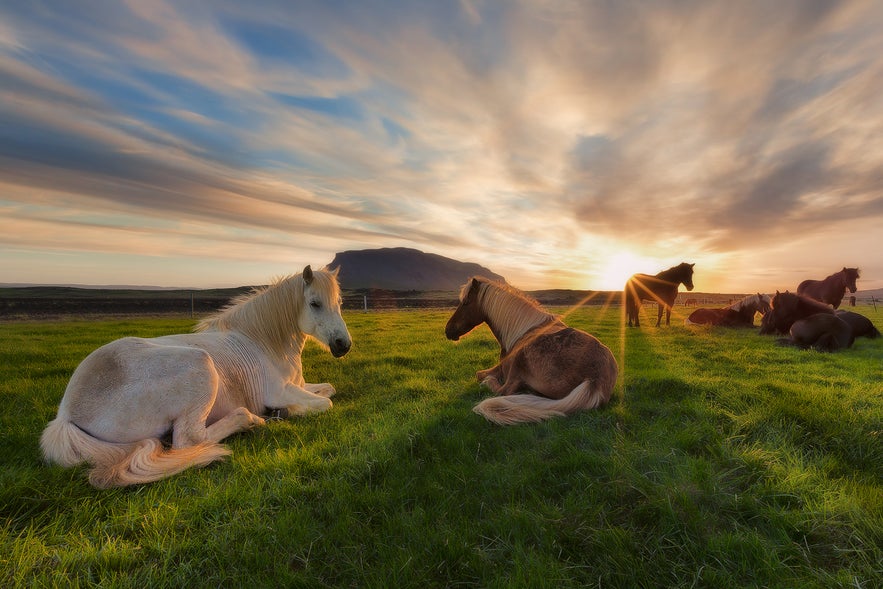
x,y
621,266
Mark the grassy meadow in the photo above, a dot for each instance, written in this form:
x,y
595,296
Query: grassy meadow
x,y
723,460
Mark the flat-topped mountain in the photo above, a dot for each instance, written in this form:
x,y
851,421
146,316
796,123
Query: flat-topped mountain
x,y
403,268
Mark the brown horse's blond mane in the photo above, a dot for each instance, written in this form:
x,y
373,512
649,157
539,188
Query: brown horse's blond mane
x,y
510,312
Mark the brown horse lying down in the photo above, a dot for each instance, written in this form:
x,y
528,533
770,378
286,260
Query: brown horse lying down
x,y
861,325
823,332
788,308
556,369
740,314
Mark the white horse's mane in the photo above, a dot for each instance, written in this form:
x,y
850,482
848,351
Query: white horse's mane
x,y
756,300
269,314
511,311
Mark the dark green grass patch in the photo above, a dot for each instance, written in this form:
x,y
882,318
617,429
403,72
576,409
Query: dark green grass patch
x,y
723,460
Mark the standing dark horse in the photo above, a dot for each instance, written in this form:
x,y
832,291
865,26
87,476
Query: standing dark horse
x,y
559,370
662,289
831,289
740,314
788,308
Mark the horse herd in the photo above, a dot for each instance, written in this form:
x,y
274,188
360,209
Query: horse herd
x,y
810,317
139,410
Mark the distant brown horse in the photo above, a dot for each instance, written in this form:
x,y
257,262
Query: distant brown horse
x,y
740,314
661,288
861,325
557,369
831,289
824,332
788,308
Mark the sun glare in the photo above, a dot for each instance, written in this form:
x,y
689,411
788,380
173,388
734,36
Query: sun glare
x,y
620,267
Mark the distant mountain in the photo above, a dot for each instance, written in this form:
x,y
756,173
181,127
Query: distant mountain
x,y
403,269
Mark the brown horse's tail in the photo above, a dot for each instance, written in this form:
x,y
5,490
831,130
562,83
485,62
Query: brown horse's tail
x,y
119,465
522,408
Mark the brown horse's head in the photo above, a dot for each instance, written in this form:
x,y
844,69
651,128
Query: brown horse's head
x,y
781,315
851,275
685,274
468,314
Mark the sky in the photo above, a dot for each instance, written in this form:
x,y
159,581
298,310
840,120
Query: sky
x,y
561,144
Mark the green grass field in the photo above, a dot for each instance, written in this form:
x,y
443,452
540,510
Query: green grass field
x,y
723,460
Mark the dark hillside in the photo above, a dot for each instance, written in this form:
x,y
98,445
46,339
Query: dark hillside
x,y
404,269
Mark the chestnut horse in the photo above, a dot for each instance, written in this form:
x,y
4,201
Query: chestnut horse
x,y
788,308
557,369
824,332
661,288
740,314
831,289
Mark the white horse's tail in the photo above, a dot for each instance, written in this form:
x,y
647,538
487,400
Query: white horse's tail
x,y
119,465
512,409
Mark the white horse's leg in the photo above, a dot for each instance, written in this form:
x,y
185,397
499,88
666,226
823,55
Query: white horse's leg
x,y
322,389
298,400
238,420
201,386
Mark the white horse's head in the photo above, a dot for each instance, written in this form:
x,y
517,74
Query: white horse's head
x,y
320,313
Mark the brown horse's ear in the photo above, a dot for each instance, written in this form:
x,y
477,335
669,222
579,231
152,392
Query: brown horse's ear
x,y
693,264
308,275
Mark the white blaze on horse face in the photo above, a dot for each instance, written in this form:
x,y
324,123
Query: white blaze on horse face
x,y
320,318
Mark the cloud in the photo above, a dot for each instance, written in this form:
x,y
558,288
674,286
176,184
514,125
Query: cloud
x,y
519,133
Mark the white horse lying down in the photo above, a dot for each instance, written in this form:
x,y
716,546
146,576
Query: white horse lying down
x,y
200,387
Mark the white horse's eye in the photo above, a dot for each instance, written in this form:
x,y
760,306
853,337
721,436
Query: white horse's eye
x,y
316,305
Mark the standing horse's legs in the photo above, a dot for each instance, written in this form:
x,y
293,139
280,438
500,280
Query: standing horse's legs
x,y
668,315
659,307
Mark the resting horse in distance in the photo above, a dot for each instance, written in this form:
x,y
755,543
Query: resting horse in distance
x,y
661,289
739,314
546,369
129,395
832,288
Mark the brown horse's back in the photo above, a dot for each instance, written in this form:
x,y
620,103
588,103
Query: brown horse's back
x,y
861,325
555,359
721,317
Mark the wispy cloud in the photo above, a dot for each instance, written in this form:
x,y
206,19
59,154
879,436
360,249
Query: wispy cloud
x,y
538,138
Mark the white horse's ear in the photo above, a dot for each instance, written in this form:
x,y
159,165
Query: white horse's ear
x,y
308,275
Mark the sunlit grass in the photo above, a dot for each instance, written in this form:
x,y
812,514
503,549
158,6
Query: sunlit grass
x,y
723,460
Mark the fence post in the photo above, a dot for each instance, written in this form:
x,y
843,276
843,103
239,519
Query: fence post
x,y
365,301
